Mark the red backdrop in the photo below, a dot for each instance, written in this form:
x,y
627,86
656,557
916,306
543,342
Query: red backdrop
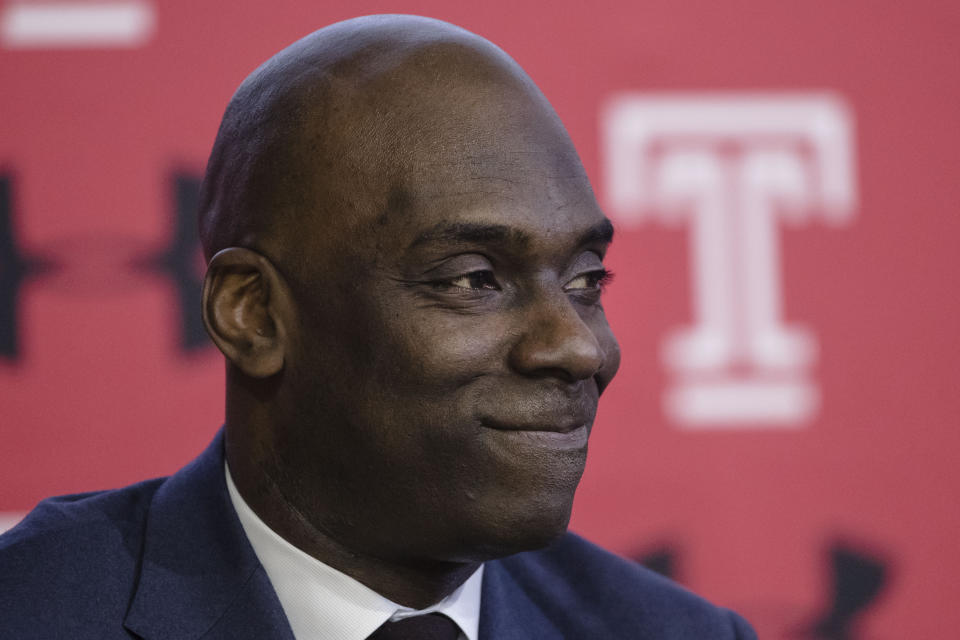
x,y
784,177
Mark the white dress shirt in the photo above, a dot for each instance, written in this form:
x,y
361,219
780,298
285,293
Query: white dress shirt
x,y
322,603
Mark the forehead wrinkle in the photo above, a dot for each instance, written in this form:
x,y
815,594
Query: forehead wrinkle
x,y
501,175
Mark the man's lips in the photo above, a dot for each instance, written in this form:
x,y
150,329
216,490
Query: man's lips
x,y
542,427
564,435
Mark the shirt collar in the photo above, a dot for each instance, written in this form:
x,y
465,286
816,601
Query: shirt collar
x,y
321,602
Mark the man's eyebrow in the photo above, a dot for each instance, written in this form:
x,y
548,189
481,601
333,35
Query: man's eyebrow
x,y
471,232
600,233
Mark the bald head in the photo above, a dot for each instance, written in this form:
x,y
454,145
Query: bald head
x,y
337,128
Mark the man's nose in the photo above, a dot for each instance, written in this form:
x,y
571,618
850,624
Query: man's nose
x,y
555,341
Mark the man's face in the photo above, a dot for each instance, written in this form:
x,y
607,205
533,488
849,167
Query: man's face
x,y
450,351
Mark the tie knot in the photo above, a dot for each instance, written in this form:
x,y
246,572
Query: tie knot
x,y
433,626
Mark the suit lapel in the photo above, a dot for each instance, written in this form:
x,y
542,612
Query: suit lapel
x,y
506,610
199,577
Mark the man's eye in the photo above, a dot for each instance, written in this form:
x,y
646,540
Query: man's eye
x,y
474,280
591,281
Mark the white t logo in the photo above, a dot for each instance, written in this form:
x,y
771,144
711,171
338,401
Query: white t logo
x,y
731,165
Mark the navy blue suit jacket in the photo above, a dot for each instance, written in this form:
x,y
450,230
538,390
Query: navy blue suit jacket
x,y
167,559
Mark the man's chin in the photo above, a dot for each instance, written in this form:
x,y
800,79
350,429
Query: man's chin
x,y
507,535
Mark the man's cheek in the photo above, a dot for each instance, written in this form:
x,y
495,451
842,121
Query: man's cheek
x,y
452,352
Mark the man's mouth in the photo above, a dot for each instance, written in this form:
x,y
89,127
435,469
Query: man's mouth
x,y
566,435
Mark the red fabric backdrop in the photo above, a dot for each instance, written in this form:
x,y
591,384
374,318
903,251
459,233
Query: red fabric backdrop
x,y
825,509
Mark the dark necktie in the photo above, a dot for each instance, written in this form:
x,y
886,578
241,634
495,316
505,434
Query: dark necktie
x,y
433,626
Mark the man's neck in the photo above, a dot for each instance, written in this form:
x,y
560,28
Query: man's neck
x,y
417,585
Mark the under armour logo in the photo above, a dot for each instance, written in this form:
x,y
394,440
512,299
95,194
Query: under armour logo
x,y
857,579
106,265
182,261
730,167
15,267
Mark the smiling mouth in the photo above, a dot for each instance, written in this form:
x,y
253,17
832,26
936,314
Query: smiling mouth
x,y
561,436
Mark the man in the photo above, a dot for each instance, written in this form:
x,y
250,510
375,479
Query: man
x,y
405,272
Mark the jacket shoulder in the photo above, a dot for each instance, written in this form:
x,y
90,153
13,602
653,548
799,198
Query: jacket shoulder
x,y
75,555
590,592
75,512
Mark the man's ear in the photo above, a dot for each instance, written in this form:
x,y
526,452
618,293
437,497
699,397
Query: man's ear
x,y
244,306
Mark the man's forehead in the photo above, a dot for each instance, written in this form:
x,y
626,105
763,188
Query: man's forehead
x,y
452,132
529,183
521,209
509,172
